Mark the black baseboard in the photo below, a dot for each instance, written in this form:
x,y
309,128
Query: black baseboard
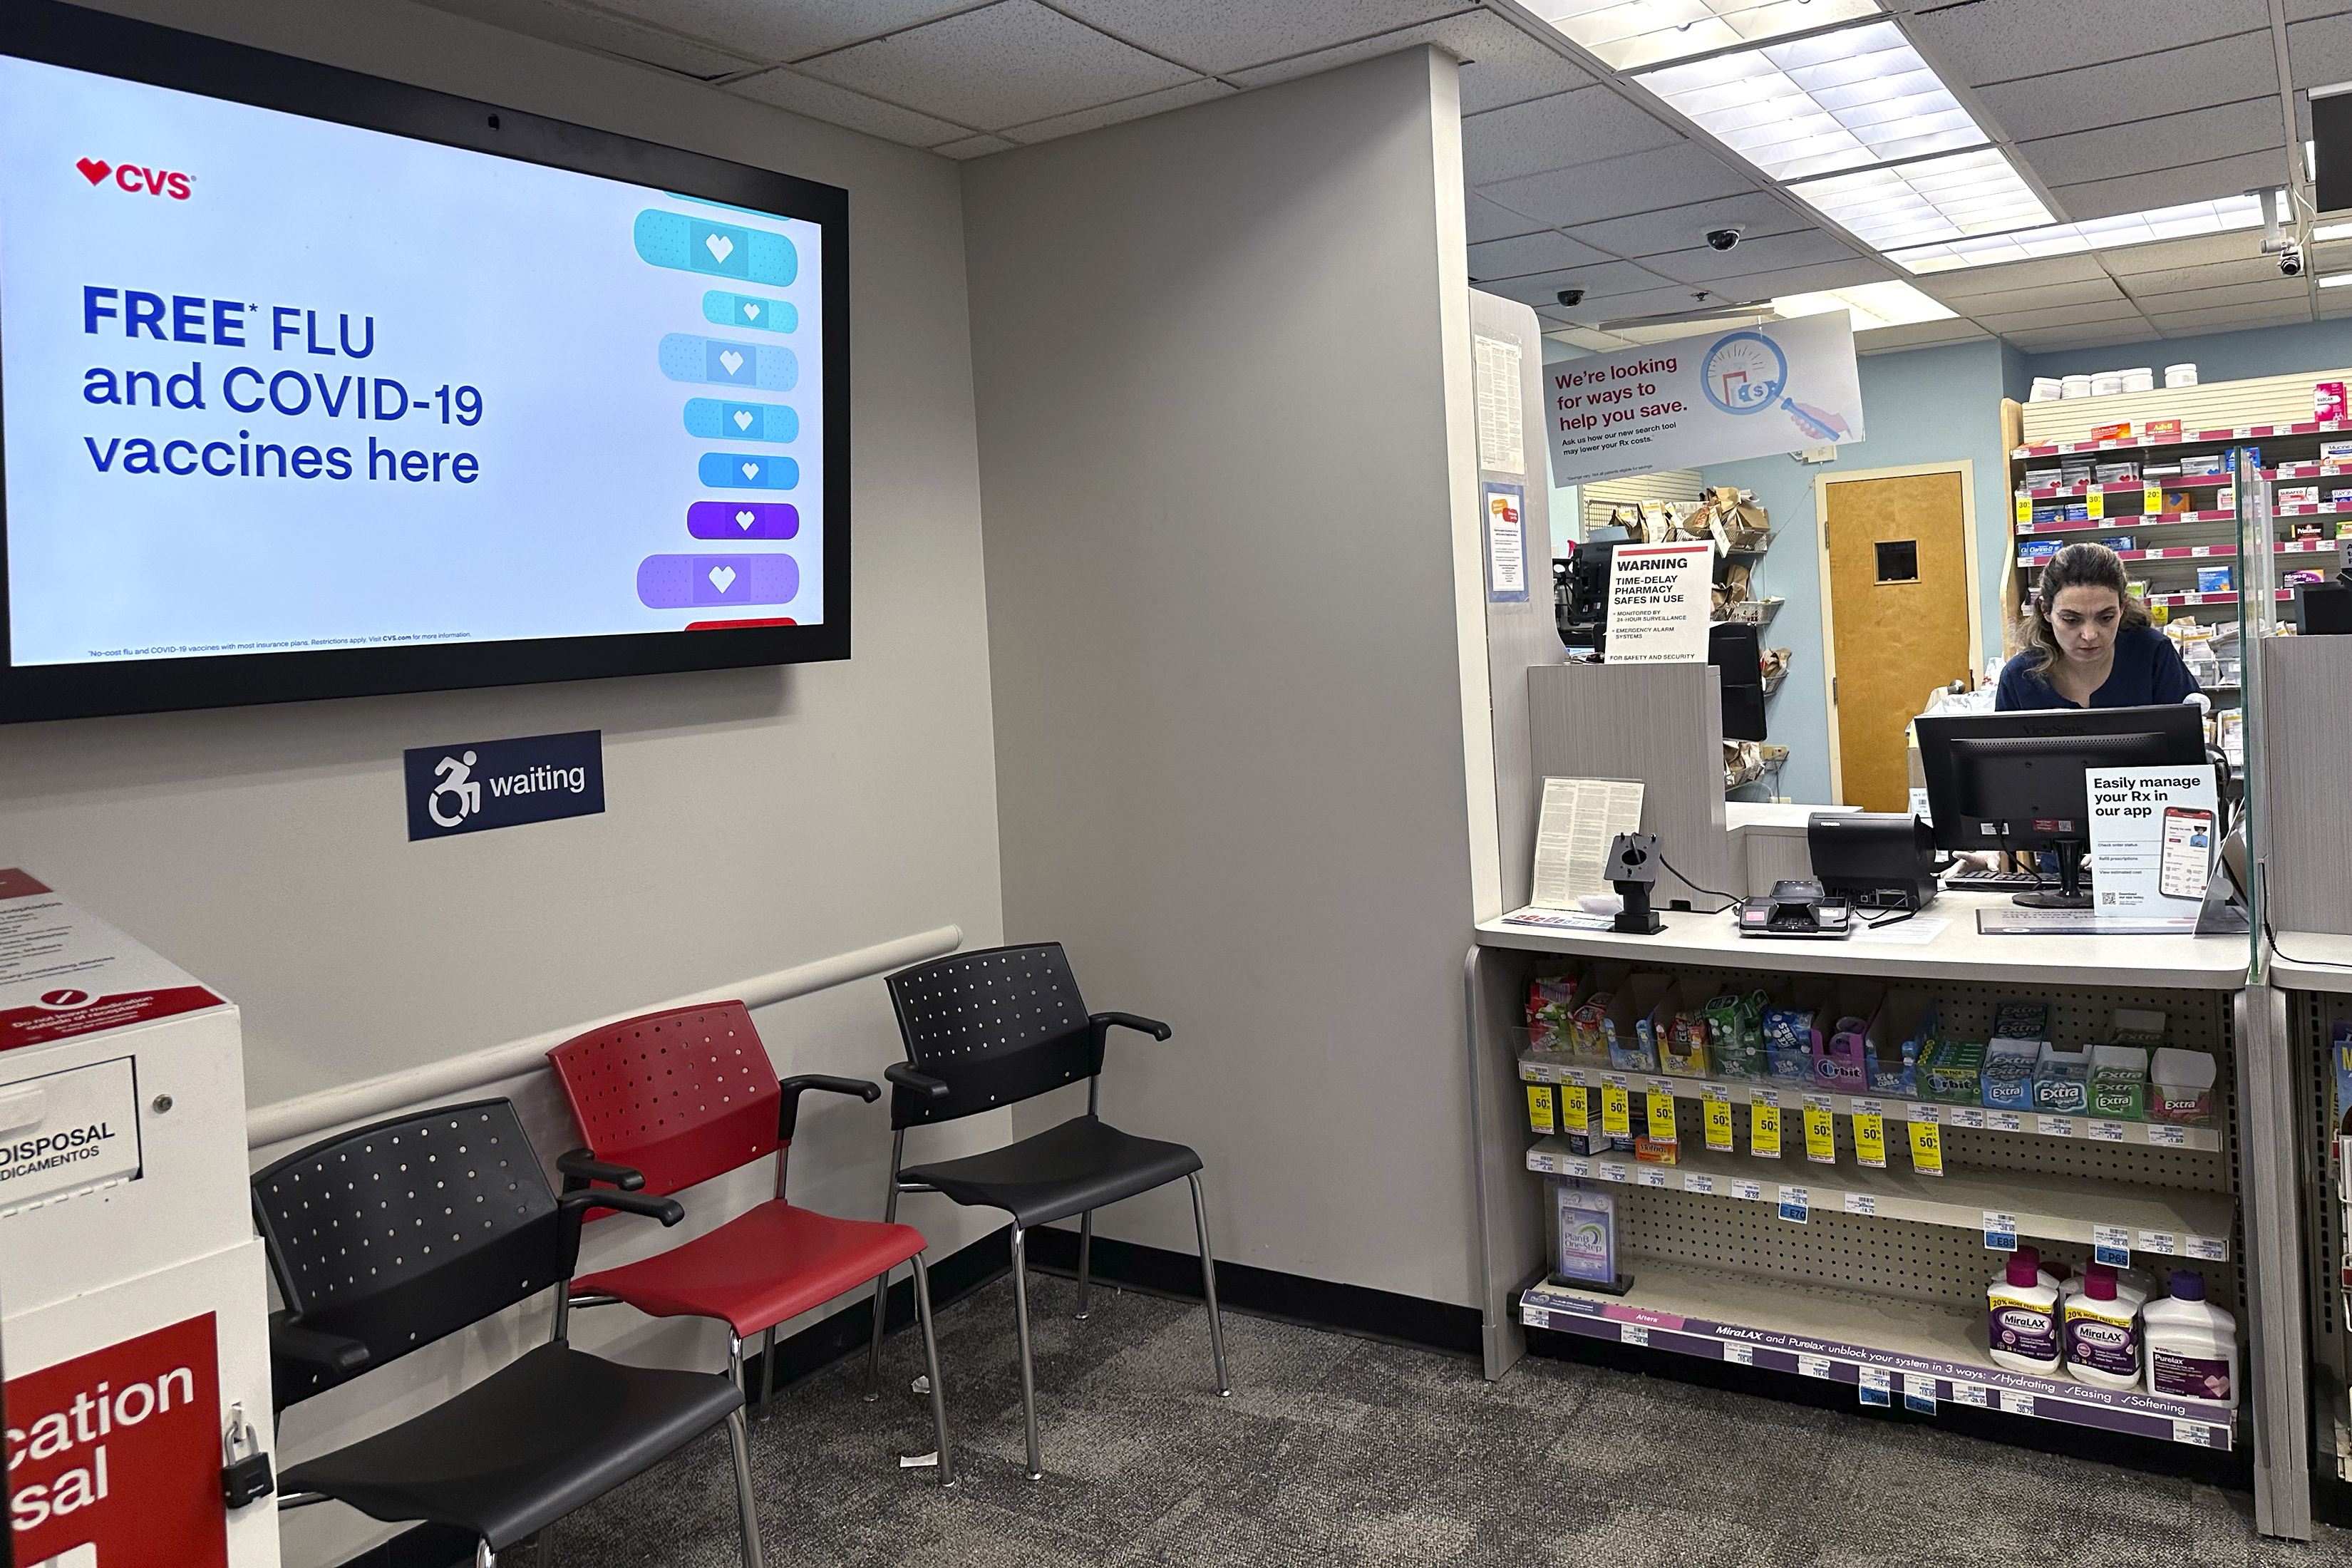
x,y
814,1348
2331,1496
2233,1471
1267,1292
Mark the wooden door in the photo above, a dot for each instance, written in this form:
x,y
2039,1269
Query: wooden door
x,y
1898,620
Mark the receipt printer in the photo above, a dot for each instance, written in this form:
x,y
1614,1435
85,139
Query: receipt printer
x,y
1874,860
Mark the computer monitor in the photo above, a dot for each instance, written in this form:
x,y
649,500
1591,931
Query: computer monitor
x,y
2015,781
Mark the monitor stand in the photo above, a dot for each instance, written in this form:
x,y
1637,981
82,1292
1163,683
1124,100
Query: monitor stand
x,y
2070,894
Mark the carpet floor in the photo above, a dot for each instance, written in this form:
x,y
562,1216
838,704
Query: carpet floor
x,y
1335,1449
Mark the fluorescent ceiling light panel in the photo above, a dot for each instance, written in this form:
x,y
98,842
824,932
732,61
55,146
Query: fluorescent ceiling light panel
x,y
2332,231
2337,281
1630,34
1861,95
2097,233
1944,198
1889,304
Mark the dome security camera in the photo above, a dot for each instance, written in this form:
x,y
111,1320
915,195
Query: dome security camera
x,y
1571,296
2291,261
1725,238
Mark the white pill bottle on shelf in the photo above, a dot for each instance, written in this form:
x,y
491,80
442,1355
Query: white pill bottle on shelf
x,y
2190,1345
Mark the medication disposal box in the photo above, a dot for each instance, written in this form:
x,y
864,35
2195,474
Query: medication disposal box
x,y
127,1255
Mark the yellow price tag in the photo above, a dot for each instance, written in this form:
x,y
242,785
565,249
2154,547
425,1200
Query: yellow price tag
x,y
2151,501
1616,1112
1661,1114
1763,1130
1539,1113
2096,502
1717,1110
2024,509
1573,1115
1926,1147
1821,1136
1870,1141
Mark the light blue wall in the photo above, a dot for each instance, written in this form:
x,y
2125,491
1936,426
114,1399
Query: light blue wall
x,y
1930,405
2218,356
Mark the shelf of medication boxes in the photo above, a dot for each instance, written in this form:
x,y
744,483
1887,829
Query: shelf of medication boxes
x,y
2187,438
1892,1351
2208,552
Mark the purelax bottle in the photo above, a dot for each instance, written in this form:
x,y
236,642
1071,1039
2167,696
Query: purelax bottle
x,y
2191,1345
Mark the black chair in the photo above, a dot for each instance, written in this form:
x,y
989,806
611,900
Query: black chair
x,y
386,1239
994,1027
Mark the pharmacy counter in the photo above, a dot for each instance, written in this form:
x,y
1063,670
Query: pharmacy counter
x,y
1887,1210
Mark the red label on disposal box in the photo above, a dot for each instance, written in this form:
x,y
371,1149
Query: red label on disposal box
x,y
58,1019
120,1450
16,884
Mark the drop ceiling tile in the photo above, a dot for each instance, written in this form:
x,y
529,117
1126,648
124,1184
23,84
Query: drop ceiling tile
x,y
2170,141
1698,261
1917,335
1644,182
2002,40
2273,291
2333,306
1801,279
613,35
1126,109
2247,272
1559,133
2089,292
1007,64
1490,220
793,30
2320,53
1223,39
1544,252
2237,318
2005,322
1502,63
1674,229
2304,10
2171,187
975,146
2172,255
787,89
1968,282
2053,340
1616,307
1601,281
2226,70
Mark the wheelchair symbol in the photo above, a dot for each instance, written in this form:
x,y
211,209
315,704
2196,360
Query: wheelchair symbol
x,y
456,779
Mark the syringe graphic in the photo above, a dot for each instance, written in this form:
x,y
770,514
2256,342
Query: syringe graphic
x,y
1818,422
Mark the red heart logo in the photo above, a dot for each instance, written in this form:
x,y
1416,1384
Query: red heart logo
x,y
94,169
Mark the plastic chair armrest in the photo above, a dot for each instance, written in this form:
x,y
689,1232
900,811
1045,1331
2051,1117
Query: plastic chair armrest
x,y
788,1114
330,1353
1105,1022
670,1211
904,1075
581,1167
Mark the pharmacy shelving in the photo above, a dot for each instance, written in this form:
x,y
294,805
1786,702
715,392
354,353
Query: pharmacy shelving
x,y
2214,551
2276,431
1893,1353
2041,1206
1794,1094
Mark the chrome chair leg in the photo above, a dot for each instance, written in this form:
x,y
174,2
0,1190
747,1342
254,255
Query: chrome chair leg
x,y
1086,1259
1209,1287
738,1440
932,1365
766,1367
483,1556
1020,1324
874,1351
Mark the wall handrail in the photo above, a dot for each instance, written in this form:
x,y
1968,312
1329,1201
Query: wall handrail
x,y
346,1103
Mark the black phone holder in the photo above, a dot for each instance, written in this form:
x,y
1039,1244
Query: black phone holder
x,y
1633,871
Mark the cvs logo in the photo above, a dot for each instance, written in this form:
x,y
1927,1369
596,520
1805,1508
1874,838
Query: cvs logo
x,y
131,177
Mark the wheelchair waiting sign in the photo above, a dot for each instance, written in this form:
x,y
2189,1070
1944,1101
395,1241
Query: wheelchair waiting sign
x,y
479,784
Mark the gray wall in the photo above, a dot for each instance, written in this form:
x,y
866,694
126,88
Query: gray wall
x,y
1211,358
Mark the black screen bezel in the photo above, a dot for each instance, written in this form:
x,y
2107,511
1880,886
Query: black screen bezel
x,y
59,34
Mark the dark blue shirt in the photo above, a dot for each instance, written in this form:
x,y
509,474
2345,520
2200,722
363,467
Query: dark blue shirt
x,y
2147,669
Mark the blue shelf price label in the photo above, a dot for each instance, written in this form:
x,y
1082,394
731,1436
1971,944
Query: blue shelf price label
x,y
2197,1433
1861,1203
2209,1248
1919,1392
1739,1354
2054,1126
2016,1404
1633,1334
2164,1137
1752,1191
1813,1366
1574,1167
1615,1171
1968,1116
1695,1182
1999,1231
2107,1133
1652,1176
2163,1242
1975,1394
2005,1121
2111,1245
1796,1205
1876,1387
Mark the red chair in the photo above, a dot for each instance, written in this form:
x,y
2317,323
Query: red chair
x,y
671,1099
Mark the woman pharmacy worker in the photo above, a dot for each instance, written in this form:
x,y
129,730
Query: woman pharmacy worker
x,y
2089,643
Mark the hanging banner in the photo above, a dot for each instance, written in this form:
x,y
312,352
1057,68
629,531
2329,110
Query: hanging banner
x,y
1714,398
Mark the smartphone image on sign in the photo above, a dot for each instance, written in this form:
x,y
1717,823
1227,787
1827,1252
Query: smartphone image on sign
x,y
2187,852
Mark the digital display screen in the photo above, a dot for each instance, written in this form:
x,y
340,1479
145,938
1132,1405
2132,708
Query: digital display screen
x,y
274,387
